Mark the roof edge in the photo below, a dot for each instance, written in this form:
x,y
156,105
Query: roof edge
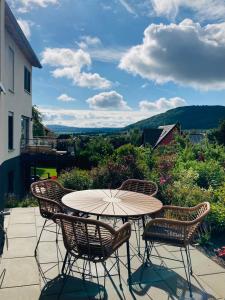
x,y
16,32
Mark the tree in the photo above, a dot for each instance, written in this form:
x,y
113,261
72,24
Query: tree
x,y
218,134
38,127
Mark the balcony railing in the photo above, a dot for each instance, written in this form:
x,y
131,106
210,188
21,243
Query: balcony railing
x,y
48,145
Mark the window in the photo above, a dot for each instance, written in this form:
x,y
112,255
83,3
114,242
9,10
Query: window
x,y
10,182
11,70
27,80
10,130
24,130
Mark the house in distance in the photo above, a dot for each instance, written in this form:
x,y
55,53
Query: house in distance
x,y
161,136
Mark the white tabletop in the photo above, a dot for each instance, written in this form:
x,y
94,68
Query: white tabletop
x,y
114,203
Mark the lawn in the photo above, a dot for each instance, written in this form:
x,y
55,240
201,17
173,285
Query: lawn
x,y
45,172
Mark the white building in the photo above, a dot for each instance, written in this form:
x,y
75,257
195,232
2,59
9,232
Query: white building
x,y
16,61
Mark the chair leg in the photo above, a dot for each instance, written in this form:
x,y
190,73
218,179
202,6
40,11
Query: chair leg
x,y
64,263
189,256
118,268
35,251
148,250
137,238
187,269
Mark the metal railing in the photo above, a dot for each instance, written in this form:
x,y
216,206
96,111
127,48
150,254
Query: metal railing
x,y
48,145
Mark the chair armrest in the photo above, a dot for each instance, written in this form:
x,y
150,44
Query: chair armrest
x,y
176,212
159,221
122,235
50,206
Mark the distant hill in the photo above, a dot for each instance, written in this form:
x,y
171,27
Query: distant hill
x,y
190,117
60,129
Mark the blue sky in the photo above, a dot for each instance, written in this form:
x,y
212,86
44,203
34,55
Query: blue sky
x,y
111,63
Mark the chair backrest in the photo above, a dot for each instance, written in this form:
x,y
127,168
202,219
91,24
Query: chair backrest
x,y
49,189
140,186
86,238
49,194
196,216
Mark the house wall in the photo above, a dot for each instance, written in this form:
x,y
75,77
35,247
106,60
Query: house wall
x,y
19,102
170,136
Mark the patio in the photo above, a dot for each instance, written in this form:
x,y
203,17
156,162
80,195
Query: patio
x,y
28,279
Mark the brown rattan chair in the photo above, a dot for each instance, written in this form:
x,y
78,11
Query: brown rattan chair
x,y
140,186
49,194
144,187
90,240
176,226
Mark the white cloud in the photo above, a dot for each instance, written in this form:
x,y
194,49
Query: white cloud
x,y
127,6
66,57
162,104
185,53
25,26
65,98
70,63
108,101
91,118
204,9
87,40
23,6
93,45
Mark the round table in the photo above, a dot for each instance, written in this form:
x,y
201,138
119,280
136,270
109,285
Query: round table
x,y
113,203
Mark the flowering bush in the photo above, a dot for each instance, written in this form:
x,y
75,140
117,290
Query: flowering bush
x,y
76,179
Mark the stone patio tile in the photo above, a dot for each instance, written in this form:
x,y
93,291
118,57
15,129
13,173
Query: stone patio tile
x,y
20,247
22,218
48,235
36,211
202,265
21,230
176,280
31,292
6,221
19,272
40,221
47,252
22,210
216,282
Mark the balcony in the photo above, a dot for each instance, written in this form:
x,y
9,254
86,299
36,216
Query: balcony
x,y
48,145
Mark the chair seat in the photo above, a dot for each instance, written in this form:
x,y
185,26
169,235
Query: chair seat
x,y
159,233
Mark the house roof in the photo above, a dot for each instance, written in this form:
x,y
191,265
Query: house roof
x,y
17,34
154,136
165,130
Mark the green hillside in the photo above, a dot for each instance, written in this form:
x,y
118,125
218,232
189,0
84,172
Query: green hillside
x,y
190,117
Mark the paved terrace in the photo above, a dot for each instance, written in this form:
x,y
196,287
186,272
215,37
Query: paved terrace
x,y
25,279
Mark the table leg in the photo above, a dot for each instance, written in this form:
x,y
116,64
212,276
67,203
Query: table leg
x,y
146,243
128,257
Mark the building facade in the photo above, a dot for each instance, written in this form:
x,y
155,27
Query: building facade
x,y
16,61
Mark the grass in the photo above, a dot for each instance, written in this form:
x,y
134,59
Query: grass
x,y
45,172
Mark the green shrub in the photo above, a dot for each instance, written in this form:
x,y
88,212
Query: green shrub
x,y
12,201
76,179
126,162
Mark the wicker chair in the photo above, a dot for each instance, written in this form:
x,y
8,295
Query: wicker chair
x,y
176,226
49,194
144,187
140,186
90,240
